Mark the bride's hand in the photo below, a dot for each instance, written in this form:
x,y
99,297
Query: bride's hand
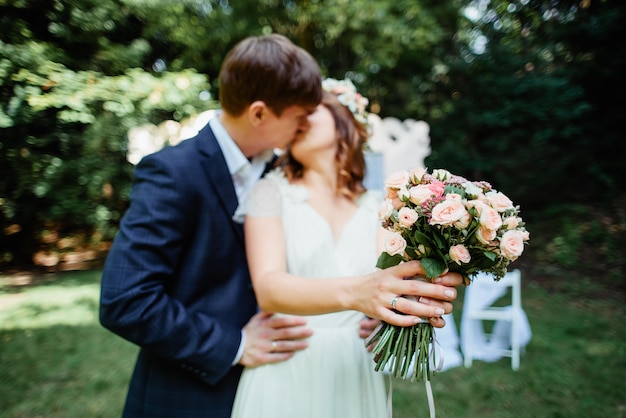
x,y
425,300
271,339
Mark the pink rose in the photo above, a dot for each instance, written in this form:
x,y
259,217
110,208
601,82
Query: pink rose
x,y
437,187
499,201
397,180
512,244
420,194
395,244
407,217
490,218
459,254
447,213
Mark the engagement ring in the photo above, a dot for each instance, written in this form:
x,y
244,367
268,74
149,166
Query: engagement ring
x,y
274,346
393,301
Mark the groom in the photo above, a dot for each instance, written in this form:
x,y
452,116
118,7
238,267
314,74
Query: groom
x,y
176,280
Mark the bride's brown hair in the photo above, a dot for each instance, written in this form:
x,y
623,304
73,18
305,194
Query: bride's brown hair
x,y
352,136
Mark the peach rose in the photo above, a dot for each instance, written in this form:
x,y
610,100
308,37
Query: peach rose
x,y
512,244
486,236
407,217
396,202
459,254
490,218
395,244
499,201
511,222
397,180
447,213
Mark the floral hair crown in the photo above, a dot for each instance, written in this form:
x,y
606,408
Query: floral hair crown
x,y
349,97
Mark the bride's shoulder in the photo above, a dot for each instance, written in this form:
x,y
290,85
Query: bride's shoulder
x,y
278,179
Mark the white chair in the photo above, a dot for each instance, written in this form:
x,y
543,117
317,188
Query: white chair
x,y
404,144
510,331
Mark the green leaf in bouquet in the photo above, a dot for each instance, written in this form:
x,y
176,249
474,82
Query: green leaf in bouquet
x,y
386,260
433,267
490,255
423,239
429,243
439,243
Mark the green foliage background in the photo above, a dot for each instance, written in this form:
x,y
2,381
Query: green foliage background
x,y
525,94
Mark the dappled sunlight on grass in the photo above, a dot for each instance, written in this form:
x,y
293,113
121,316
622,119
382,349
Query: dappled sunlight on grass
x,y
29,301
50,305
55,358
57,361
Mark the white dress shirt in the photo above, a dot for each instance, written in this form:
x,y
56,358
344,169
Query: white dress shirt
x,y
245,173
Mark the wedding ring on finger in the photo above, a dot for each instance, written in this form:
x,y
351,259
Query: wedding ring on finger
x,y
274,346
393,302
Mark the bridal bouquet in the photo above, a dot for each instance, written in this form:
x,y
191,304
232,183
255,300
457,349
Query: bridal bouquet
x,y
448,223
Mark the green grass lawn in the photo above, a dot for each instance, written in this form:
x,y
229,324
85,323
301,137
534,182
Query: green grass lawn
x,y
57,361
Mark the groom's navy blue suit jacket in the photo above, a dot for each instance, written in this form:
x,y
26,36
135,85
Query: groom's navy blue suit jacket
x,y
176,283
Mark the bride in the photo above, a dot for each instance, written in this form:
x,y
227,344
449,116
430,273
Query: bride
x,y
308,223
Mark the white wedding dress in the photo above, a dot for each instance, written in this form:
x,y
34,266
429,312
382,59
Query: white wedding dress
x,y
334,377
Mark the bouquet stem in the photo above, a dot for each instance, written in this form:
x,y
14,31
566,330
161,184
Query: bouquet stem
x,y
405,351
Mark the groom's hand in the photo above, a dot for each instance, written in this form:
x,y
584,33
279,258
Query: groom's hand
x,y
271,339
367,326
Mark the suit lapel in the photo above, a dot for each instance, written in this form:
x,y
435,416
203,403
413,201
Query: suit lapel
x,y
219,177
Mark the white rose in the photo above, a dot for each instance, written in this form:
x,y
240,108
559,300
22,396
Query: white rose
x,y
420,194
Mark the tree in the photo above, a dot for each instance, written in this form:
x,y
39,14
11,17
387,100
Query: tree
x,y
523,110
69,91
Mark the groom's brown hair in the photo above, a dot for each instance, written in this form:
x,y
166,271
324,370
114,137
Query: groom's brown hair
x,y
272,69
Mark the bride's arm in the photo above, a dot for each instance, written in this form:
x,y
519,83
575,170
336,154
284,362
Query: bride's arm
x,y
278,291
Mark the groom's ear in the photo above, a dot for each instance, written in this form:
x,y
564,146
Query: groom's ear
x,y
258,112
